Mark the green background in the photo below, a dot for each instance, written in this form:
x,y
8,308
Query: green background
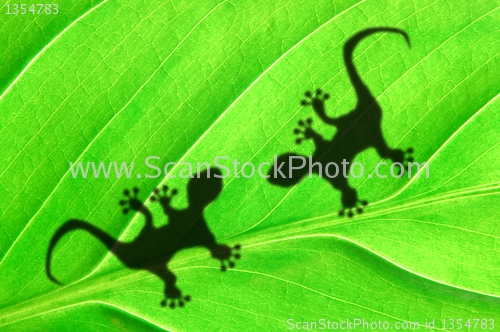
x,y
191,80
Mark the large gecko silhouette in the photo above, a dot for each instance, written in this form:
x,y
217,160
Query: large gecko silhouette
x,y
357,131
154,247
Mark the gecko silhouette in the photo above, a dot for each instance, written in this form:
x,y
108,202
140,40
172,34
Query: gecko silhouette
x,y
154,247
357,131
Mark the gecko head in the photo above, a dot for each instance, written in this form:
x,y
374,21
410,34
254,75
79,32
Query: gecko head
x,y
205,187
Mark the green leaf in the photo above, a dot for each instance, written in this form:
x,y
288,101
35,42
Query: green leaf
x,y
25,37
189,81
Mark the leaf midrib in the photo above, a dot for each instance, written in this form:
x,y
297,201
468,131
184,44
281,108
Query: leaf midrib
x,y
137,275
292,231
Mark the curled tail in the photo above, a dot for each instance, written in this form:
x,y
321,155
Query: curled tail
x,y
362,92
72,225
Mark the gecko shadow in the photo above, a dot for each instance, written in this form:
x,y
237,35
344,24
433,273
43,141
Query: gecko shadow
x,y
357,131
154,247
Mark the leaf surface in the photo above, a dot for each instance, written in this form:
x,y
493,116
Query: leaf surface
x,y
189,81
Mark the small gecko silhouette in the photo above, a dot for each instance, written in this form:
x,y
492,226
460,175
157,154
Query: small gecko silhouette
x,y
154,247
357,131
